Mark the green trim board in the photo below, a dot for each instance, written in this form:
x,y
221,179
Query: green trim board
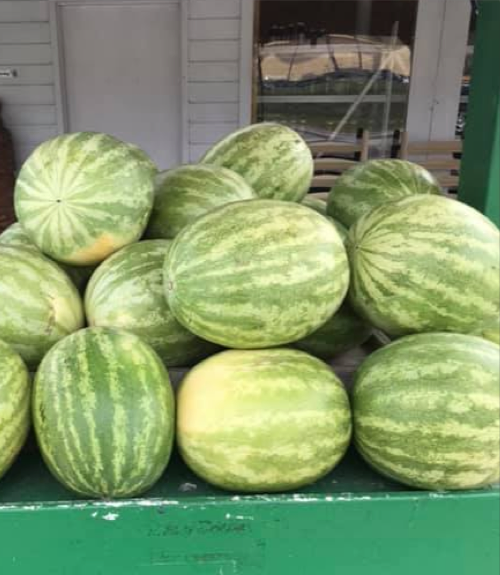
x,y
353,522
480,166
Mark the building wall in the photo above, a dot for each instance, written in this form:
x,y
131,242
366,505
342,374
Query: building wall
x,y
212,50
29,104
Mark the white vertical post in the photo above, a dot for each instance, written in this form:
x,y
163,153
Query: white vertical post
x,y
450,71
438,61
425,66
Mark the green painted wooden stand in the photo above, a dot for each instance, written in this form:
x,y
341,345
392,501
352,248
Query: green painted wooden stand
x,y
353,522
480,171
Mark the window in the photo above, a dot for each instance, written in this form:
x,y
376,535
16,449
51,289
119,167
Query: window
x,y
329,68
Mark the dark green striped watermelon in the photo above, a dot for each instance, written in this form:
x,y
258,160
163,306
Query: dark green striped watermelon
x,y
369,184
103,411
15,393
262,420
186,193
342,332
256,274
39,303
425,263
489,329
81,197
273,159
14,235
126,292
320,206
315,204
426,411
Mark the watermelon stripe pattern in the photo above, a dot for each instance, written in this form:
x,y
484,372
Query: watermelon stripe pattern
x,y
81,197
320,206
256,274
265,420
369,184
40,304
345,330
489,330
315,204
186,193
15,391
126,293
103,413
425,263
14,235
426,411
273,159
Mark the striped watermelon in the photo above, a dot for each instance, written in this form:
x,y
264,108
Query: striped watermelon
x,y
425,263
489,330
103,411
342,332
320,206
14,405
126,292
256,274
40,305
372,183
426,411
81,197
315,204
14,235
186,193
274,160
262,420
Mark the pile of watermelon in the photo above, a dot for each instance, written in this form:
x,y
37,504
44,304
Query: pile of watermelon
x,y
116,273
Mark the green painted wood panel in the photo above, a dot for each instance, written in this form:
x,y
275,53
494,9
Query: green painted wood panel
x,y
480,169
351,523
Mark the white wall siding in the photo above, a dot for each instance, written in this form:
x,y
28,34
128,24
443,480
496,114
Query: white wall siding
x,y
213,82
29,107
213,39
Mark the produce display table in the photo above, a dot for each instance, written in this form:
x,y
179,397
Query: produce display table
x,y
353,522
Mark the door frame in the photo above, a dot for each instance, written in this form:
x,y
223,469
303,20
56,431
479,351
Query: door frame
x,y
56,32
437,68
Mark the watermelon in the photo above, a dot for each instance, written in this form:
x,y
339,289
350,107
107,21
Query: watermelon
x,y
315,204
320,206
274,160
262,420
342,332
489,329
14,405
103,411
184,194
14,235
426,411
126,293
80,197
369,184
425,263
40,304
255,274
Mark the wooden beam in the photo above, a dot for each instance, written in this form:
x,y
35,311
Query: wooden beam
x,y
480,172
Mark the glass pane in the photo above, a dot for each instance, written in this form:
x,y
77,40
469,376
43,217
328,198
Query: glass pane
x,y
329,68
